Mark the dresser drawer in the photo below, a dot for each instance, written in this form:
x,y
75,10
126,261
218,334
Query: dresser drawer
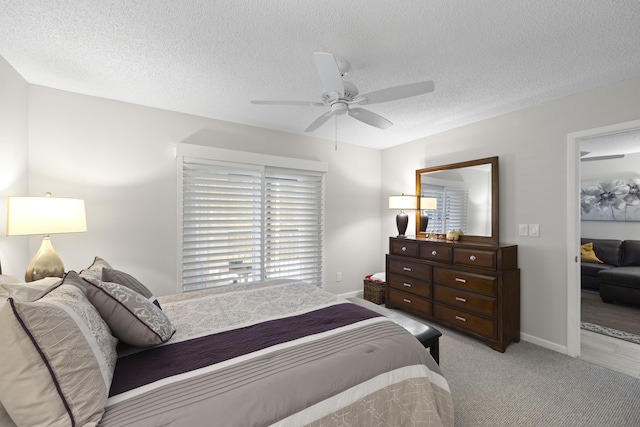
x,y
404,248
409,302
468,281
409,284
465,300
409,268
440,253
465,320
475,258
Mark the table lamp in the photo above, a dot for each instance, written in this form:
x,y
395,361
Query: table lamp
x,y
402,202
44,215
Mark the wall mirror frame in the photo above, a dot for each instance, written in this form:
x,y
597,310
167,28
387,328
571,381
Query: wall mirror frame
x,y
492,226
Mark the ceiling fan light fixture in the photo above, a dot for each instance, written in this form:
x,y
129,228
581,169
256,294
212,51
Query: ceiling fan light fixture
x,y
339,108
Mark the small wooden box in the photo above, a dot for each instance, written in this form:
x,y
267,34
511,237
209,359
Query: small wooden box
x,y
374,291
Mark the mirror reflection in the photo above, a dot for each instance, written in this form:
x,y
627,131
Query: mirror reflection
x,y
458,197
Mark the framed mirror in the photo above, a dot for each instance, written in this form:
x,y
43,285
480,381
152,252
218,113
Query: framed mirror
x,y
459,196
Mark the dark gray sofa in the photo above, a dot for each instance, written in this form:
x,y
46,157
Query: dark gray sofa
x,y
618,278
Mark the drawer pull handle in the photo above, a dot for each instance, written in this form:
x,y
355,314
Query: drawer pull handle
x,y
408,301
408,285
461,299
460,280
462,319
434,253
406,268
404,249
472,257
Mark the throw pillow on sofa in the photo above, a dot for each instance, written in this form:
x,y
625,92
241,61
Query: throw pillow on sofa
x,y
587,254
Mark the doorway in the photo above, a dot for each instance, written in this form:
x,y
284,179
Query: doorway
x,y
597,140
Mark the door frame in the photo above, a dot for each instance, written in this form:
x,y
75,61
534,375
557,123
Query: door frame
x,y
573,227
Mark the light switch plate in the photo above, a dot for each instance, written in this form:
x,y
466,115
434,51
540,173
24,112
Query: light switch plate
x,y
534,230
523,229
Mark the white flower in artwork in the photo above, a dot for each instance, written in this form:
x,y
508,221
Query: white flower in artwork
x,y
633,196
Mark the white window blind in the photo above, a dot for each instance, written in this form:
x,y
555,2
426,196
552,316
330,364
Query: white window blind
x,y
243,223
451,211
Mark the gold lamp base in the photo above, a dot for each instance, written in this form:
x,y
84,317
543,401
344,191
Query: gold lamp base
x,y
45,263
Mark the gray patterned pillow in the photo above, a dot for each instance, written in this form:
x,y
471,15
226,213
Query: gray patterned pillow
x,y
125,279
132,318
58,358
95,269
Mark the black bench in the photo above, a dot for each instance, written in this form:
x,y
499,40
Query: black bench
x,y
427,335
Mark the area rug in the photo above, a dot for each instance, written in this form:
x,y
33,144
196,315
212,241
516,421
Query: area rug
x,y
614,320
610,332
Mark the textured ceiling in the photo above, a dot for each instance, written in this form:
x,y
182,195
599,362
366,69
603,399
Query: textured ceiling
x,y
211,58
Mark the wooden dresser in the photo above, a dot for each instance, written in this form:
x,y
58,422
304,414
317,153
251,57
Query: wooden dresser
x,y
471,287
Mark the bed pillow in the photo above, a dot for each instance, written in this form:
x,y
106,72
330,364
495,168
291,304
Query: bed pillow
x,y
132,317
587,254
125,279
30,291
57,359
95,269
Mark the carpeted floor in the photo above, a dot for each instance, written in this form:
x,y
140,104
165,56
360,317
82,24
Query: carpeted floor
x,y
618,317
531,386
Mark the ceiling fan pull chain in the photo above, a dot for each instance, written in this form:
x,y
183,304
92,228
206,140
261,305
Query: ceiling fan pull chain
x,y
336,132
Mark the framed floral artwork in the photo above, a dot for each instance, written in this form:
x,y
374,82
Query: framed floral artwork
x,y
610,200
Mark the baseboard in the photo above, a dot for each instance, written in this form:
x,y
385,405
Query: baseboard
x,y
354,294
544,343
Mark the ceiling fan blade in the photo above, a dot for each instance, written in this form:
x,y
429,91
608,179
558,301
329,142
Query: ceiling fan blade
x,y
366,116
329,72
319,121
305,103
396,92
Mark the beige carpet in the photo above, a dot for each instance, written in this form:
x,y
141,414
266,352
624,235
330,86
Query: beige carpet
x,y
530,386
621,317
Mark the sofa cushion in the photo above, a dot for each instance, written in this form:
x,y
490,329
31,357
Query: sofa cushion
x,y
628,277
631,253
609,251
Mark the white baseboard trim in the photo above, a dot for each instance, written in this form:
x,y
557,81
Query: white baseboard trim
x,y
544,343
353,294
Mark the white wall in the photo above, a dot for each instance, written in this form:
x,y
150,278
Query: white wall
x,y
14,92
120,158
627,167
532,146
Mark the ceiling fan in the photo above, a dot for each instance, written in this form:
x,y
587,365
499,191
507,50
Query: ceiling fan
x,y
343,98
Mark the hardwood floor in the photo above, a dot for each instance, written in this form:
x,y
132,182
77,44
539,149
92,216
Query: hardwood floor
x,y
618,355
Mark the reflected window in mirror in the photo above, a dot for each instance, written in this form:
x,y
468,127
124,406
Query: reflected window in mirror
x,y
451,200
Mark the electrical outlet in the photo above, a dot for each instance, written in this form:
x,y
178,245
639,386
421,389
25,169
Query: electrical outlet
x,y
534,230
338,277
523,229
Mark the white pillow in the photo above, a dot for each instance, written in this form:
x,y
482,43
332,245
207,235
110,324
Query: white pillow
x,y
27,291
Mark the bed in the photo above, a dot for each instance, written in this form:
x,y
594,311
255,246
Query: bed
x,y
275,353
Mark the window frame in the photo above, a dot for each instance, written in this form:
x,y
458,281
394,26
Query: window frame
x,y
227,157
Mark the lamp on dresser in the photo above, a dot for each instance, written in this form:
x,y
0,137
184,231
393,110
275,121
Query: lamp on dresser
x,y
44,215
403,202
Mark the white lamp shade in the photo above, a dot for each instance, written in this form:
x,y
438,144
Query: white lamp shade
x,y
403,202
44,215
428,203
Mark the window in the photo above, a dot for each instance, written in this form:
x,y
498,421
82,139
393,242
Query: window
x,y
451,211
242,222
